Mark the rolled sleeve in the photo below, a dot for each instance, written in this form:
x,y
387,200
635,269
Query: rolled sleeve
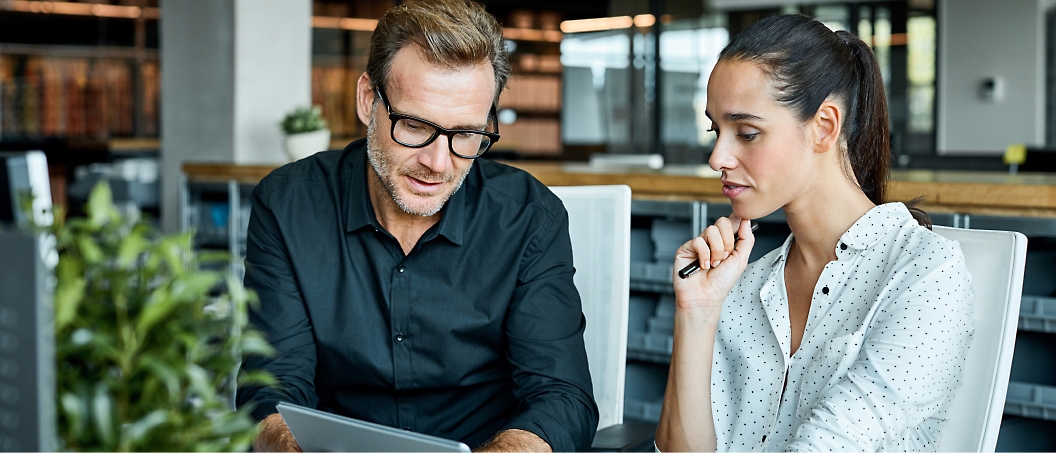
x,y
545,333
281,316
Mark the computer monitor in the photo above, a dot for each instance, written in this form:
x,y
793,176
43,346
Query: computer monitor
x,y
24,174
27,346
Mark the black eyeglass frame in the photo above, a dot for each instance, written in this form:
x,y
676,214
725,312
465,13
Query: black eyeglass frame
x,y
439,130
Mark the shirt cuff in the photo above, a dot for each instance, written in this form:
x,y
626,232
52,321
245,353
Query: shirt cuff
x,y
263,408
552,433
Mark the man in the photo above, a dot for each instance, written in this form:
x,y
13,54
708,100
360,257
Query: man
x,y
404,282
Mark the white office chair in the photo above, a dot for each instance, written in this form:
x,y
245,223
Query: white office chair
x,y
996,261
599,223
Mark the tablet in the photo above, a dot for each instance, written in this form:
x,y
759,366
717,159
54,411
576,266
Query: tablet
x,y
315,430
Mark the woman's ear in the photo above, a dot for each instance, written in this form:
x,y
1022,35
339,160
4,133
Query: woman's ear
x,y
827,126
364,99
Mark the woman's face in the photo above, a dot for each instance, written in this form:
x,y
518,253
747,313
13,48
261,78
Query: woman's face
x,y
762,149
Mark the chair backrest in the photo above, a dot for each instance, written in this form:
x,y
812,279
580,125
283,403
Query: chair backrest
x,y
996,260
599,223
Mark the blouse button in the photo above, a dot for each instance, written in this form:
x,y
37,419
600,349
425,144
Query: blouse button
x,y
825,290
843,246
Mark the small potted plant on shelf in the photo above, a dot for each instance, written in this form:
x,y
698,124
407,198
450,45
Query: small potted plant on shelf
x,y
148,339
306,132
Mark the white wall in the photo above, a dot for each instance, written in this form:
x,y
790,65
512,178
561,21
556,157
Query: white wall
x,y
987,38
272,74
230,70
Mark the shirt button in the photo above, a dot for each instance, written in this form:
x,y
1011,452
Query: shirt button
x,y
399,268
843,246
764,437
825,290
399,337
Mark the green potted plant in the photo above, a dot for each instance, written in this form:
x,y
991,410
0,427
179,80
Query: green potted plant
x,y
147,339
306,132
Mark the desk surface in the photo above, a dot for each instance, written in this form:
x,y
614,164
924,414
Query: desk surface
x,y
989,193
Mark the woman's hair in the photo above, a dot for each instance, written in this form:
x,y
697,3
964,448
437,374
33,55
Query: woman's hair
x,y
449,33
808,63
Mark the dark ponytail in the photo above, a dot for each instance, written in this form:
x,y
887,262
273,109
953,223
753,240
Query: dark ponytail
x,y
808,63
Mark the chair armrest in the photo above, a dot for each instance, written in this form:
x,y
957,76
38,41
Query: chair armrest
x,y
628,436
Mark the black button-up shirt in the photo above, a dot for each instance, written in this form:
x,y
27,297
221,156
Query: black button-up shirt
x,y
477,330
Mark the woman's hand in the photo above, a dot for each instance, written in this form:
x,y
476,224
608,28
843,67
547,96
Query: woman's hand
x,y
723,259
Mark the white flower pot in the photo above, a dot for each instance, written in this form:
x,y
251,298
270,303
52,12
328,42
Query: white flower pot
x,y
304,144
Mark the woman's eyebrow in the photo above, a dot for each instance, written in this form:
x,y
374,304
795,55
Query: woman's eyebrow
x,y
736,117
741,117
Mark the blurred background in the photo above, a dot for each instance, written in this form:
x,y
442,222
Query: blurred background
x,y
88,82
178,104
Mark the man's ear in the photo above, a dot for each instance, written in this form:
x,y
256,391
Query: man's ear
x,y
827,124
364,99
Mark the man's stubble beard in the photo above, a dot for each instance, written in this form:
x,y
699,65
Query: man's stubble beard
x,y
383,166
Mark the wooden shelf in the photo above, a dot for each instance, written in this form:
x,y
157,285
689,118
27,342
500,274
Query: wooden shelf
x,y
980,193
47,50
133,144
357,24
80,9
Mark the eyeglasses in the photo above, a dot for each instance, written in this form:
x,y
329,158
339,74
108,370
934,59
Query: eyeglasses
x,y
417,133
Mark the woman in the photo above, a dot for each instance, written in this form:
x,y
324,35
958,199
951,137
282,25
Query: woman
x,y
850,336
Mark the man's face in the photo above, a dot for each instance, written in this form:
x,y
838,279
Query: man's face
x,y
420,180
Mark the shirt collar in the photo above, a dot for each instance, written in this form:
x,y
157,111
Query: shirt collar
x,y
865,232
875,224
360,213
452,220
361,210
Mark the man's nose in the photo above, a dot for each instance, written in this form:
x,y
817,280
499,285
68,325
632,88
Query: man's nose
x,y
436,155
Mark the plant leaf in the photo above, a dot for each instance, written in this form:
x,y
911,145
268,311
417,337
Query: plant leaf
x,y
139,428
194,286
90,250
168,376
100,204
102,413
160,304
76,412
130,249
69,292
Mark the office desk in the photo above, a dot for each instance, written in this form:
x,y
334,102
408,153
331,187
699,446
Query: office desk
x,y
981,193
1029,195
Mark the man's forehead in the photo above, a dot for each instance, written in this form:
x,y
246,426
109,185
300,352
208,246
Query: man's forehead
x,y
410,67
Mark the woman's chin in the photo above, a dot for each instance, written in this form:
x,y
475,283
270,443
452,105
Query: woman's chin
x,y
751,211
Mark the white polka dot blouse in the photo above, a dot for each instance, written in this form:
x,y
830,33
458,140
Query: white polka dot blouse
x,y
883,348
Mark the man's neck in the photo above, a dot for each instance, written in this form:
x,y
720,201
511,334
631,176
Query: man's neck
x,y
405,227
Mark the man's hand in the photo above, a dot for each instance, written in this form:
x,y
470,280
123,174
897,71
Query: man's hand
x,y
516,440
274,435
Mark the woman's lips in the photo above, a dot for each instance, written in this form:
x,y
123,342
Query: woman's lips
x,y
731,190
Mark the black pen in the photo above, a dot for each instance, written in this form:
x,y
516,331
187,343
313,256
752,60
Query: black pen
x,y
695,265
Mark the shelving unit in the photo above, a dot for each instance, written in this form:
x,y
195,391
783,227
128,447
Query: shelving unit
x,y
77,71
81,81
1038,314
218,212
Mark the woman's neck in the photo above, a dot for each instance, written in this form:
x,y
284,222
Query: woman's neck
x,y
819,219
